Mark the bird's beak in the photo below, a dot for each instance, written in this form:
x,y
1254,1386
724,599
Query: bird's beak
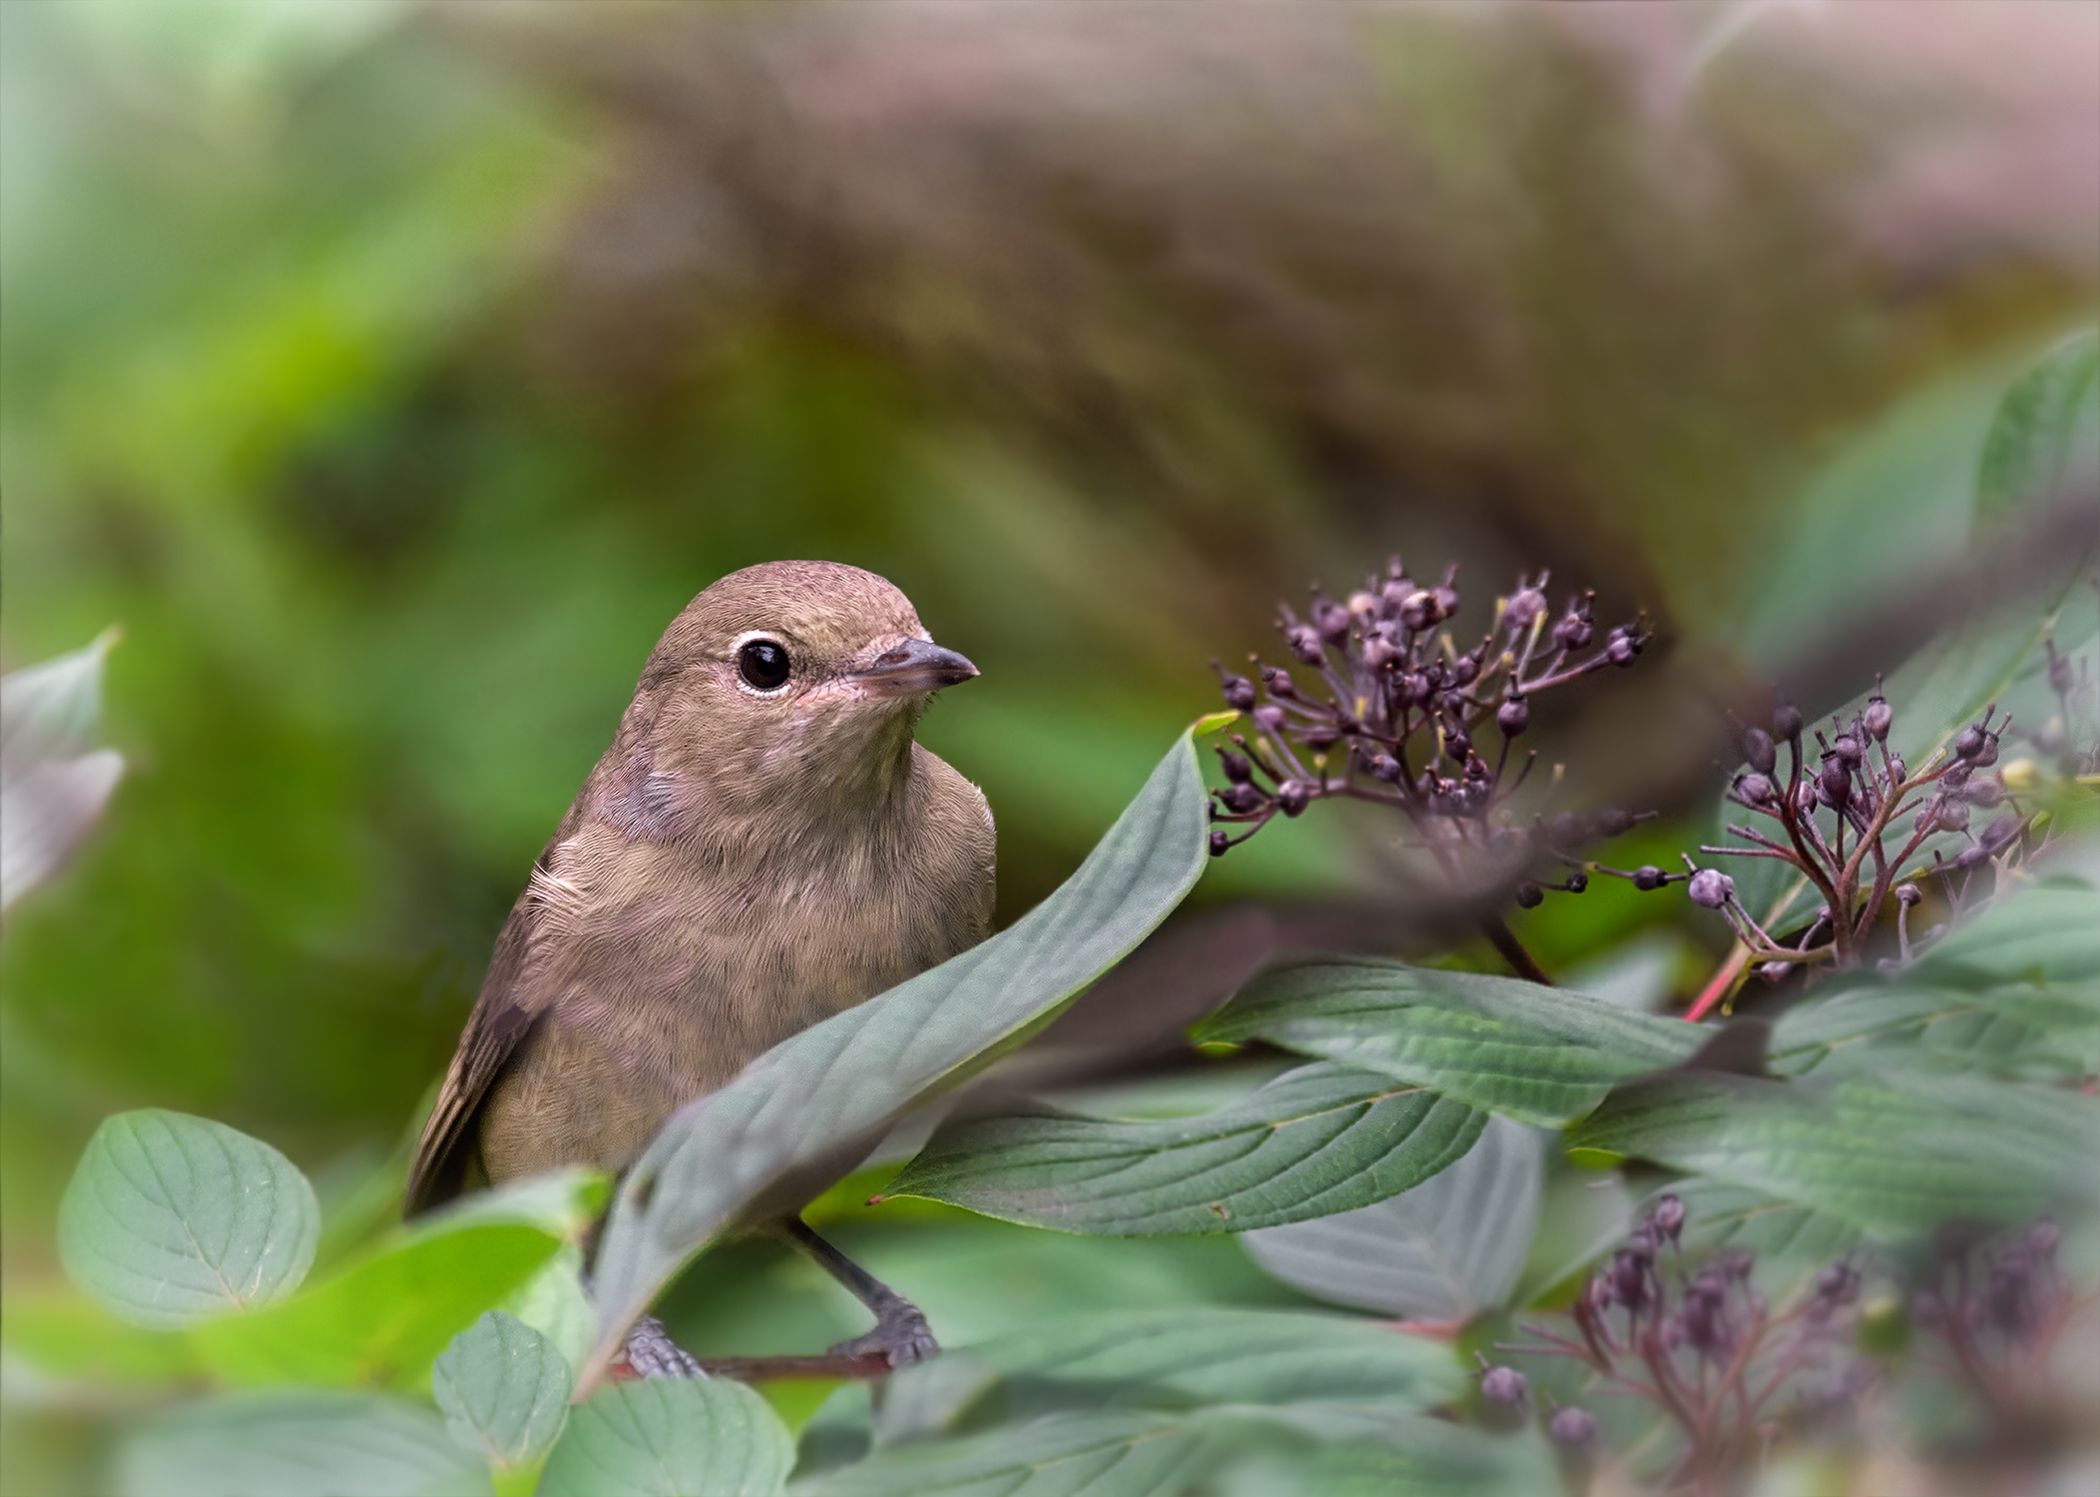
x,y
913,668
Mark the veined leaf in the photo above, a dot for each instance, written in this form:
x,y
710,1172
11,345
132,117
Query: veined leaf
x,y
811,1106
1541,1055
1445,1250
503,1388
1317,1140
170,1219
385,1316
296,1444
1182,1359
2034,1032
1891,1155
1062,1455
671,1437
2046,429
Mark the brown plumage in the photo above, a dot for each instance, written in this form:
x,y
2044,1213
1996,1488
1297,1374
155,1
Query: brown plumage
x,y
748,857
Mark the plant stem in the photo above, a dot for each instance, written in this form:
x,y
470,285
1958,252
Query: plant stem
x,y
1505,941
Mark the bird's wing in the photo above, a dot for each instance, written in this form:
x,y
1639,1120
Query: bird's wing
x,y
513,996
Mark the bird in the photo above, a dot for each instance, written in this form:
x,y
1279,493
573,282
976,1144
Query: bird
x,y
764,844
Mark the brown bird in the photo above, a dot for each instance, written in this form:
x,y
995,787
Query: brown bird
x,y
763,846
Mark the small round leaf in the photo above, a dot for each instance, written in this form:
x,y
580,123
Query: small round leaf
x,y
504,1389
671,1437
171,1219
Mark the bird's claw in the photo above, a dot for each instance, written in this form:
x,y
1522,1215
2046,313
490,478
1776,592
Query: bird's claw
x,y
652,1353
901,1337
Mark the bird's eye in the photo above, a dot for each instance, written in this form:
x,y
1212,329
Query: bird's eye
x,y
763,663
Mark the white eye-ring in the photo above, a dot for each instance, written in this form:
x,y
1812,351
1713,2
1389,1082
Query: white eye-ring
x,y
763,666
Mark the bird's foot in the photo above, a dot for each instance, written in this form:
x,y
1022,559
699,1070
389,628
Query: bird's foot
x,y
652,1353
901,1337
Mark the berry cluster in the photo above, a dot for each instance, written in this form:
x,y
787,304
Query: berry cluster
x,y
1388,708
1702,1345
1862,827
1999,1308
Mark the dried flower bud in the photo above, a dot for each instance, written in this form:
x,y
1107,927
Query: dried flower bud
x,y
1331,619
1530,896
1668,1216
1504,1385
1385,767
1293,796
1786,720
1910,896
1218,843
1848,750
1983,790
1711,888
1379,652
1269,716
1758,751
1970,742
1524,608
1239,769
1576,882
1877,719
1463,670
1621,649
1945,813
1279,683
1571,1425
1446,600
1304,641
1753,789
1241,797
1572,632
1648,876
1834,783
1513,717
1419,610
1239,693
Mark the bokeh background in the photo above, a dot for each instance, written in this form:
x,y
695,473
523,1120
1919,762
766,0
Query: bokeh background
x,y
390,373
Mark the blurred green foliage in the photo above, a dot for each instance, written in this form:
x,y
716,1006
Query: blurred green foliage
x,y
392,373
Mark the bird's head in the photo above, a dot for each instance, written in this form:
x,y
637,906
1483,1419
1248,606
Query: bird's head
x,y
794,676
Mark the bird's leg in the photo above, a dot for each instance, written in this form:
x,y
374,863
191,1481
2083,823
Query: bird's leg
x,y
651,1352
901,1335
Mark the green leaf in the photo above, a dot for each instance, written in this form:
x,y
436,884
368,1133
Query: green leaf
x,y
171,1219
53,783
1445,1250
2014,991
1790,1242
503,1389
2034,442
670,1437
799,1116
1064,1455
1541,1055
384,1317
1182,1359
1317,1140
1892,1155
1409,1458
296,1444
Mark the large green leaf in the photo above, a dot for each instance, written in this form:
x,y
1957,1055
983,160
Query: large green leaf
x,y
2047,428
670,1437
1112,1454
1445,1250
1541,1055
171,1219
2014,991
1887,1153
1181,1359
807,1109
503,1388
296,1444
384,1317
1320,1139
1411,1457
